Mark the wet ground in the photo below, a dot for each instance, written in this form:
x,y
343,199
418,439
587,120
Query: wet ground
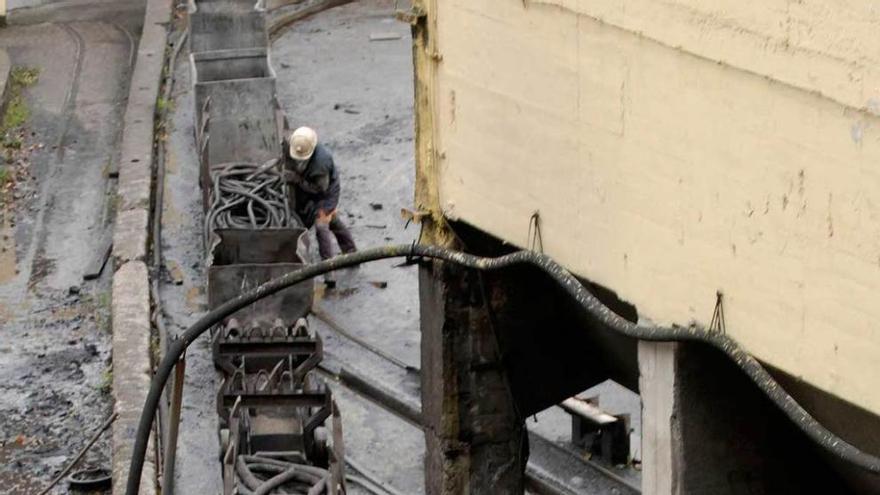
x,y
348,73
182,284
358,95
54,326
336,75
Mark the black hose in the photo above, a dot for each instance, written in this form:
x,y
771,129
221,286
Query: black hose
x,y
302,472
253,461
244,473
246,465
813,429
274,482
319,487
249,196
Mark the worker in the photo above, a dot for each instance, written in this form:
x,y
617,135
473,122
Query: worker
x,y
314,181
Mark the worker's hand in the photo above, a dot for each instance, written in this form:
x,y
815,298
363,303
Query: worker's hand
x,y
291,177
325,217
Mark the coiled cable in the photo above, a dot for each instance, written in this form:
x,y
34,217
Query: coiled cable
x,y
247,196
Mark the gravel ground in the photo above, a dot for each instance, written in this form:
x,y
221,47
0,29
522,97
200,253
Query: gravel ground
x,y
54,328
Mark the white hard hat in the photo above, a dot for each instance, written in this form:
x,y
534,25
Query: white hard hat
x,y
302,143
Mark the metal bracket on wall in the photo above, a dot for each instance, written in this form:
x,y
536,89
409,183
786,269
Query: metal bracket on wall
x,y
411,16
413,216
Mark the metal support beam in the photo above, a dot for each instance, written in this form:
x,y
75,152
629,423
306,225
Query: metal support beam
x,y
173,427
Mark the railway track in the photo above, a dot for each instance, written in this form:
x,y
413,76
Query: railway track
x,y
279,427
552,465
276,416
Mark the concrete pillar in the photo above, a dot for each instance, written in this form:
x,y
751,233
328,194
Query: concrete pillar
x,y
475,439
706,429
656,383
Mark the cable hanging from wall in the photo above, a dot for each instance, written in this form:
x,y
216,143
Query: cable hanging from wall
x,y
717,323
535,239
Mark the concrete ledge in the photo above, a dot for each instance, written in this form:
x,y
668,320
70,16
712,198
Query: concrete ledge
x,y
130,236
130,311
136,157
131,296
5,69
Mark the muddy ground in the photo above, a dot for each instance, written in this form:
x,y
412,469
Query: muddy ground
x,y
54,326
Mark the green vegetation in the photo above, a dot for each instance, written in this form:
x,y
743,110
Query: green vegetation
x,y
106,380
17,111
98,304
155,351
16,114
102,311
103,301
24,76
163,105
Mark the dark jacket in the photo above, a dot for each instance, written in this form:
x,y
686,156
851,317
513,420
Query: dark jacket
x,y
317,188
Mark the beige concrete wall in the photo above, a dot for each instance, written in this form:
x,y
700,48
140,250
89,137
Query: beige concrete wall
x,y
677,148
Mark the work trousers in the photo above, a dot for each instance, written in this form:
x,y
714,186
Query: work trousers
x,y
325,239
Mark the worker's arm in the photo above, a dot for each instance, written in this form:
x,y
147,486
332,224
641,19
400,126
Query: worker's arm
x,y
328,183
291,177
331,198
